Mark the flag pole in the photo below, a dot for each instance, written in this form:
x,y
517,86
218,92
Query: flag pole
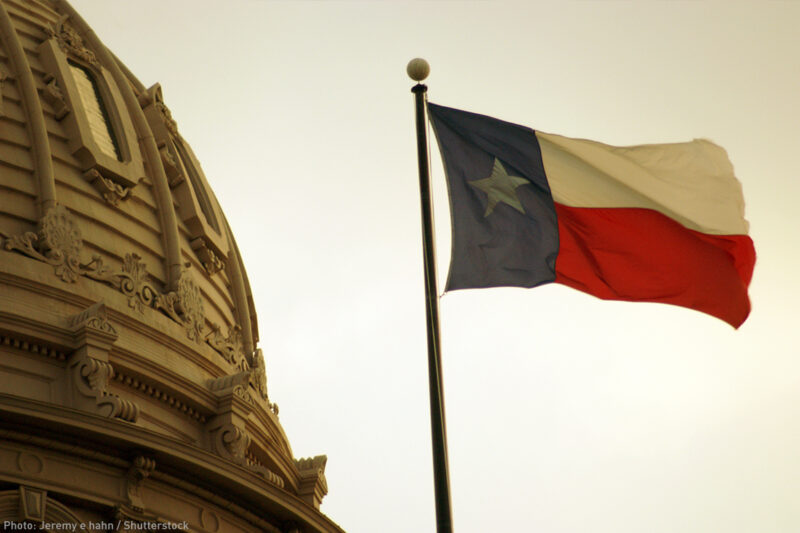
x,y
418,70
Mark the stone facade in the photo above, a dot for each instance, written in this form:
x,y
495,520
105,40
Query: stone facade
x,y
132,390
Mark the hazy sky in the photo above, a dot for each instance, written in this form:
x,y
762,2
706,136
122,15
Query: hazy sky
x,y
566,414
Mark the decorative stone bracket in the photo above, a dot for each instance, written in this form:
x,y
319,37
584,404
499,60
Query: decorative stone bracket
x,y
111,191
313,486
233,385
227,435
231,443
53,95
141,468
89,369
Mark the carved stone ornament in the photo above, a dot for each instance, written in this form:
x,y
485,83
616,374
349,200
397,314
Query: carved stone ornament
x,y
155,97
190,306
230,347
259,376
134,284
71,42
58,242
53,95
237,384
241,391
166,115
211,262
140,469
111,191
91,377
254,465
184,306
228,382
312,464
313,486
171,167
231,442
94,317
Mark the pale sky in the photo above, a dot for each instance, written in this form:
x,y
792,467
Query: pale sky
x,y
566,414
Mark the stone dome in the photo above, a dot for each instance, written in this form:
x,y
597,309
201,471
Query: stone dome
x,y
131,384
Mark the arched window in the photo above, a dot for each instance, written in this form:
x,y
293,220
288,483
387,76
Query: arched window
x,y
96,111
88,103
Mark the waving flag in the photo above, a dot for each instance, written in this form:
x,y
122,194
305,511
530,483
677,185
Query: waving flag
x,y
655,223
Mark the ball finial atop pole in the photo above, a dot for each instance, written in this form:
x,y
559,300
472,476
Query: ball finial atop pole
x,y
418,69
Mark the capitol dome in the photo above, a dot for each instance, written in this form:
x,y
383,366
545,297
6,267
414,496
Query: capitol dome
x,y
131,385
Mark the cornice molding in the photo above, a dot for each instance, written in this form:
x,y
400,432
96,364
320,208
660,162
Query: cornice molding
x,y
247,493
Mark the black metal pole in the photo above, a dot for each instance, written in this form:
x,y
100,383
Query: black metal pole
x,y
441,476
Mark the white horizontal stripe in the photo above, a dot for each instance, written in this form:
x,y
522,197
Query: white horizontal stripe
x,y
692,183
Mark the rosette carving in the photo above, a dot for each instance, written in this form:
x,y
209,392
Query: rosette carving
x,y
58,242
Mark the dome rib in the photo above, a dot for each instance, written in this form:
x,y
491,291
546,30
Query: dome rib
x,y
40,145
166,208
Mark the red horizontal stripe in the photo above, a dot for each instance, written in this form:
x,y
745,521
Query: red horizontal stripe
x,y
638,255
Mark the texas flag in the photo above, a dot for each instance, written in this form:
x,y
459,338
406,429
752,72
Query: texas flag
x,y
653,223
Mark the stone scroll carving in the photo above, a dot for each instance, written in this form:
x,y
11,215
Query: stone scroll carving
x,y
59,243
230,346
210,260
111,191
231,442
89,367
91,377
